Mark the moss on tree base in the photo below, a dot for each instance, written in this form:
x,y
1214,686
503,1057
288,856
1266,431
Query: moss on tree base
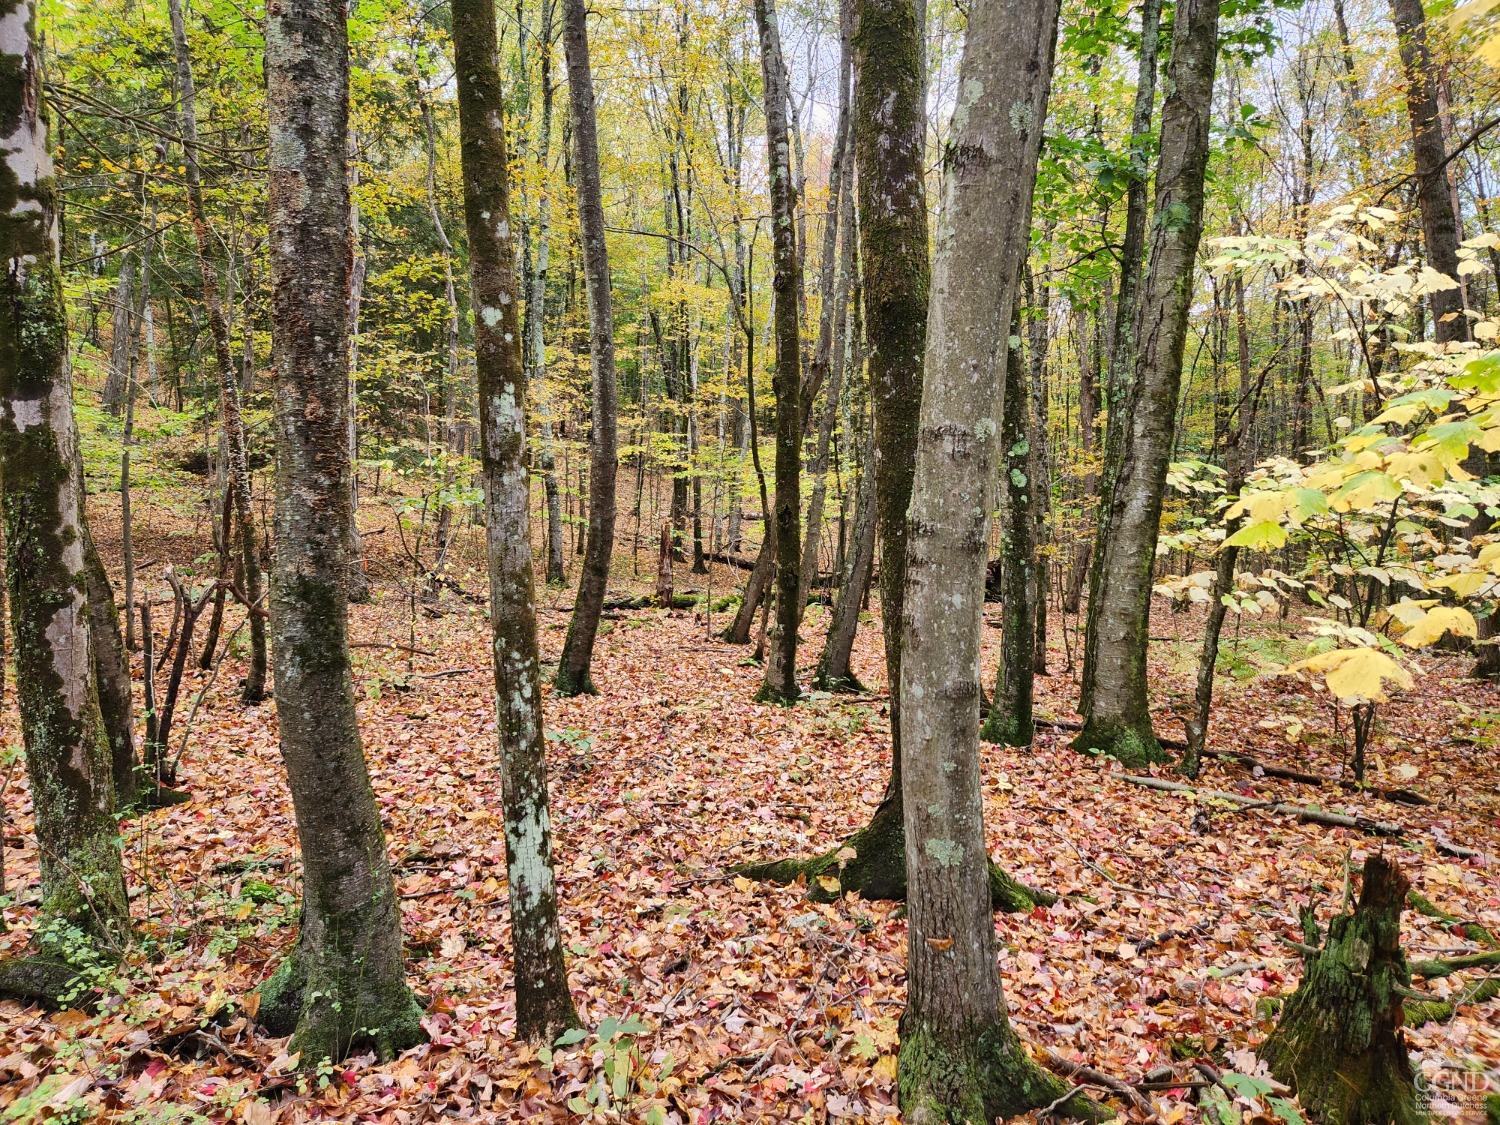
x,y
985,1075
47,981
1005,729
1131,746
769,693
564,684
872,864
334,1019
1339,1042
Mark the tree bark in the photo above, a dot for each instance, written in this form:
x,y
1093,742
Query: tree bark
x,y
112,675
1120,354
1009,721
960,1058
84,913
834,670
358,583
1338,1042
342,989
254,687
122,322
574,669
544,1005
780,683
1117,717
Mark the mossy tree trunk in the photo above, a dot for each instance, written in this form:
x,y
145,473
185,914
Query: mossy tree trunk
x,y
1116,706
960,1058
1338,1042
1009,721
780,683
544,1005
573,670
238,467
889,134
84,914
343,987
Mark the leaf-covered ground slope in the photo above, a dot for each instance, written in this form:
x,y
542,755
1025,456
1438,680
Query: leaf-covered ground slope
x,y
711,997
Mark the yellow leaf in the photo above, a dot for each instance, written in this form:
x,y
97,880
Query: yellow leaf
x,y
1437,621
1466,583
1356,674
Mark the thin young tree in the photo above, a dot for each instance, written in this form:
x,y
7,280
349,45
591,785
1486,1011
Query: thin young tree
x,y
960,1058
574,669
84,914
544,1005
1116,713
343,987
780,683
238,466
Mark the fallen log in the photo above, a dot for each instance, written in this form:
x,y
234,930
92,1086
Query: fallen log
x,y
1301,812
1471,930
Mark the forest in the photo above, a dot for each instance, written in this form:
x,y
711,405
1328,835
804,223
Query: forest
x,y
684,561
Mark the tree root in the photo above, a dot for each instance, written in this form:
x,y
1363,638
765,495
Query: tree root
x,y
47,981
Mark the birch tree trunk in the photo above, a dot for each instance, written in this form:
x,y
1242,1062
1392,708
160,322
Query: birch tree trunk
x,y
1116,714
780,683
342,989
544,1005
442,539
574,668
960,1059
253,690
83,910
358,583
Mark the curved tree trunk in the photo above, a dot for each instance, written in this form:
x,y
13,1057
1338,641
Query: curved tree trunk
x,y
343,987
574,669
960,1059
84,910
1117,717
544,1006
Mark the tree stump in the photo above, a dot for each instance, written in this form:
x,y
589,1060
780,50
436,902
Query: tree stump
x,y
1339,1042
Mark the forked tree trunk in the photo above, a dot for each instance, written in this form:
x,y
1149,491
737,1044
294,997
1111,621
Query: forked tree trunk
x,y
1117,716
574,669
83,910
544,1005
343,987
960,1059
780,683
1338,1042
254,687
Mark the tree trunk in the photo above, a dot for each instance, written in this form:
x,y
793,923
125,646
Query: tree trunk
x,y
1120,356
574,668
254,687
1117,717
889,124
834,671
1338,1042
1009,721
122,321
960,1059
112,675
84,913
780,684
342,989
358,583
544,1006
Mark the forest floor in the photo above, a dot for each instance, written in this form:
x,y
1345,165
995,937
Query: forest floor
x,y
739,1001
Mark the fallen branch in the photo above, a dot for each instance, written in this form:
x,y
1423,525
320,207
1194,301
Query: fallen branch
x,y
1471,930
1440,1011
1091,1077
1430,970
1402,796
1301,812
